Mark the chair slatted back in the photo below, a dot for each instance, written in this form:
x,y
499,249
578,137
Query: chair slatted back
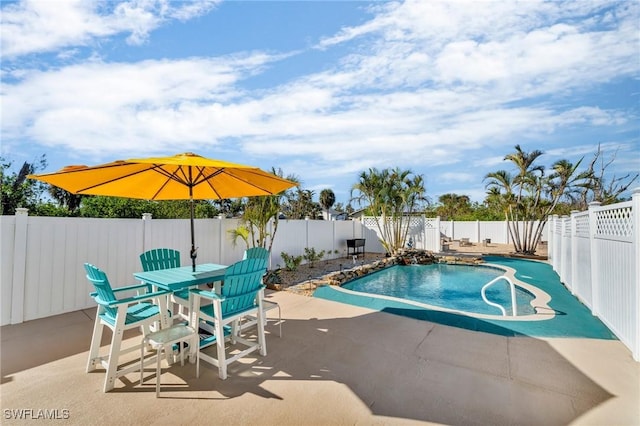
x,y
157,259
100,282
242,282
257,253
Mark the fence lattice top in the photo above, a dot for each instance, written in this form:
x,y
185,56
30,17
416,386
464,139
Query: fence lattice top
x,y
615,222
582,224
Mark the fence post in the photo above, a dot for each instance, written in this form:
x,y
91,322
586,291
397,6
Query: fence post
x,y
574,251
563,260
146,229
595,265
306,233
557,247
333,239
221,241
550,226
635,211
438,238
19,266
506,232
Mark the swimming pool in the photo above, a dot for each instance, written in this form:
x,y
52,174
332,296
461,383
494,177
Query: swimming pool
x,y
455,287
558,312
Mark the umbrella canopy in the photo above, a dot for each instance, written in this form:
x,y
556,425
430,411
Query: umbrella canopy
x,y
181,177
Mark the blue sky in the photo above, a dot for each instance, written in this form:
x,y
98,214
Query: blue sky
x,y
324,90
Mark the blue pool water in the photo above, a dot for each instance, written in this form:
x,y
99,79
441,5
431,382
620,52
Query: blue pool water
x,y
449,286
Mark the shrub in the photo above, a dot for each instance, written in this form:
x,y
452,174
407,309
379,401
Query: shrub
x,y
311,256
291,263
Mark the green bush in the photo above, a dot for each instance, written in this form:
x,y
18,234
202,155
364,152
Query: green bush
x,y
311,256
291,263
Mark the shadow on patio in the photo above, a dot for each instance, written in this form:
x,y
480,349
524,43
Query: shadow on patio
x,y
335,364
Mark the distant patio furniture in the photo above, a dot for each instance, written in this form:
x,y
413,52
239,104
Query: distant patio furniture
x,y
354,245
163,341
445,245
486,242
120,315
465,242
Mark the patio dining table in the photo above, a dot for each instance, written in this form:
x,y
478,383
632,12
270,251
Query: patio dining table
x,y
175,279
183,277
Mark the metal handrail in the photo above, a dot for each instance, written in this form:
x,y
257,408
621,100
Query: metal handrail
x,y
514,305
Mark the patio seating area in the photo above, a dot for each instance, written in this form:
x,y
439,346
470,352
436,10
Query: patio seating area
x,y
335,364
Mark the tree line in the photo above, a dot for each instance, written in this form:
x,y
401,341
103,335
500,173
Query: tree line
x,y
526,193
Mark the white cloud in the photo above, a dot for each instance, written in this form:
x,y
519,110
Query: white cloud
x,y
33,26
431,83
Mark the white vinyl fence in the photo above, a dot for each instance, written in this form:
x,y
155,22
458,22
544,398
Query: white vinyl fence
x,y
597,253
427,233
42,257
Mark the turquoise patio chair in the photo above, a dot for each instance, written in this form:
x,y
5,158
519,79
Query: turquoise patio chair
x,y
162,258
242,294
263,254
257,253
165,258
119,315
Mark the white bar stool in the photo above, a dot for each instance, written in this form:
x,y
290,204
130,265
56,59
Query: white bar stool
x,y
163,340
267,306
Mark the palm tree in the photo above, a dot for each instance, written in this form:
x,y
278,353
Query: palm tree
x,y
392,195
258,213
66,199
327,199
528,197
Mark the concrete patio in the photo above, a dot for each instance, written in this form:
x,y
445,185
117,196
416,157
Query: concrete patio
x,y
335,364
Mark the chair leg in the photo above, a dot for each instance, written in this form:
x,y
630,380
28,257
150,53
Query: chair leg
x,y
262,320
159,349
96,338
142,346
195,343
279,320
222,361
114,351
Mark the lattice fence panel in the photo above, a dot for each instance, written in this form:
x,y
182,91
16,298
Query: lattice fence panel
x,y
582,224
615,222
558,226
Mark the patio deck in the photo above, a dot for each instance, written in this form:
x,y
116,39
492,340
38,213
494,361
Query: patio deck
x,y
335,364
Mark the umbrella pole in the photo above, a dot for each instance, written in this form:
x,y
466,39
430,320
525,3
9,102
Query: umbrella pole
x,y
194,250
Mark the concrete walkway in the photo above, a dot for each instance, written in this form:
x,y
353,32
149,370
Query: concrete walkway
x,y
335,364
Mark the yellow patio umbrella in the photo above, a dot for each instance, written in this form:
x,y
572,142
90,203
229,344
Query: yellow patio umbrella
x,y
181,177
